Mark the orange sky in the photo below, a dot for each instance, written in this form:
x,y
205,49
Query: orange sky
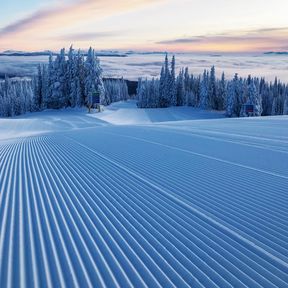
x,y
172,25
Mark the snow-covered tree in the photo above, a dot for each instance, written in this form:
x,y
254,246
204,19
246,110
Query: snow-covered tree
x,y
180,89
16,97
115,90
172,84
212,90
72,80
285,106
165,85
222,93
204,92
235,98
253,98
230,100
93,77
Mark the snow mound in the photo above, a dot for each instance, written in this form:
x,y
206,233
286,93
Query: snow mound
x,y
127,113
120,113
48,121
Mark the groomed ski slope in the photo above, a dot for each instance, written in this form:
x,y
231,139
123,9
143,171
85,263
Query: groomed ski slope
x,y
187,203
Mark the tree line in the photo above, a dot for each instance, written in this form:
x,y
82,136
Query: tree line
x,y
208,92
68,80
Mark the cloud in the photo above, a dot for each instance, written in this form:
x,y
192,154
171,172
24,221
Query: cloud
x,y
254,35
265,30
34,19
194,39
88,36
267,38
62,15
215,39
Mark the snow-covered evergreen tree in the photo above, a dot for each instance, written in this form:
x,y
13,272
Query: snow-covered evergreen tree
x,y
222,93
115,90
93,77
285,106
16,97
80,79
71,78
274,110
172,84
230,100
204,91
180,89
38,84
212,90
235,98
253,98
165,85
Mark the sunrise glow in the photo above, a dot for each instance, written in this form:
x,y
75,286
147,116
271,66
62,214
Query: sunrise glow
x,y
170,25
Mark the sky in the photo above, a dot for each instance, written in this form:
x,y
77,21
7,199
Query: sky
x,y
145,25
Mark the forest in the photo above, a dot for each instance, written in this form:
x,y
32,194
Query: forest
x,y
209,93
72,79
68,80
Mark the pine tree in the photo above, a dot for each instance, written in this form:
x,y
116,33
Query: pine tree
x,y
62,78
235,98
255,99
162,100
93,77
172,84
39,89
222,93
274,110
180,91
212,92
204,93
285,106
72,80
230,100
165,96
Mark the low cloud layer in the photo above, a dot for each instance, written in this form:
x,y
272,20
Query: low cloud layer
x,y
136,65
260,39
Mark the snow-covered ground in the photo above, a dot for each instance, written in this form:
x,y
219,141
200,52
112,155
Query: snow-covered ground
x,y
125,113
174,198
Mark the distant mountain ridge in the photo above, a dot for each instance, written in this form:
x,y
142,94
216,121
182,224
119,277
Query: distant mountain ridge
x,y
276,53
48,52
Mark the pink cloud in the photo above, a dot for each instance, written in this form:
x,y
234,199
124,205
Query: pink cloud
x,y
63,15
